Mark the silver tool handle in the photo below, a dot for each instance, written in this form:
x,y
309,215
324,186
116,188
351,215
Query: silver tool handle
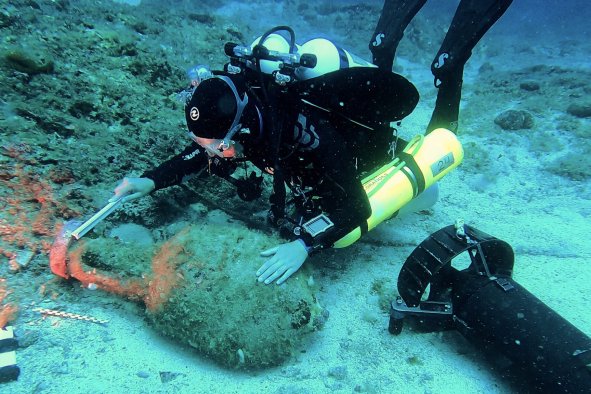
x,y
96,219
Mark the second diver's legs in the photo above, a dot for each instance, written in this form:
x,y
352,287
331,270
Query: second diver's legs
x,y
471,21
395,17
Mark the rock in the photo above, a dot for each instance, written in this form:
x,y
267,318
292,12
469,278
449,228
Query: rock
x,y
530,86
6,19
205,19
27,338
486,68
338,373
580,110
132,233
166,376
515,120
24,257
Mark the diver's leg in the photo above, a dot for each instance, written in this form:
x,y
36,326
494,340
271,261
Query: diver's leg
x,y
447,105
471,21
395,17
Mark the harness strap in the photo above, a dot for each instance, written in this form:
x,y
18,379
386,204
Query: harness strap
x,y
413,173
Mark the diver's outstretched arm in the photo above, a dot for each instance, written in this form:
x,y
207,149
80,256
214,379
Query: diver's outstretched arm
x,y
395,17
471,21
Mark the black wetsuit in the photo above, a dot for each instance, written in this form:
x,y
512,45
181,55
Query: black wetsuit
x,y
322,158
471,21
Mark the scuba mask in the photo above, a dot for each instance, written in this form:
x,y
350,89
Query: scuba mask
x,y
218,147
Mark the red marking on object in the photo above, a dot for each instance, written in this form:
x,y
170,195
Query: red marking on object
x,y
58,254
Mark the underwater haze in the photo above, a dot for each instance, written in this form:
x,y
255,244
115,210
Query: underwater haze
x,y
161,297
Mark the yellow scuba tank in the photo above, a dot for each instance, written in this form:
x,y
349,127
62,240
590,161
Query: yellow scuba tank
x,y
424,161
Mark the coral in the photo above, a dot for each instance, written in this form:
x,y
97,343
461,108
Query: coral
x,y
29,212
28,194
30,202
7,311
164,275
58,254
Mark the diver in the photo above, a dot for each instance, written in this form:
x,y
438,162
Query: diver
x,y
471,21
319,155
319,139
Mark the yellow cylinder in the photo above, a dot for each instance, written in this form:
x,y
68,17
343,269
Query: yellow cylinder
x,y
424,161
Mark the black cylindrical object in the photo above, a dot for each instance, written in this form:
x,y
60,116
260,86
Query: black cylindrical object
x,y
531,344
229,49
503,317
308,60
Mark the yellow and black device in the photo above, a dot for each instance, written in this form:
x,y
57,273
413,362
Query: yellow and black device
x,y
425,160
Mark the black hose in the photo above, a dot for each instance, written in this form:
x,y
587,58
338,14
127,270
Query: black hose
x,y
279,193
292,40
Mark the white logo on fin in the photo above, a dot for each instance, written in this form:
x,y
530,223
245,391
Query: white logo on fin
x,y
441,60
378,41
